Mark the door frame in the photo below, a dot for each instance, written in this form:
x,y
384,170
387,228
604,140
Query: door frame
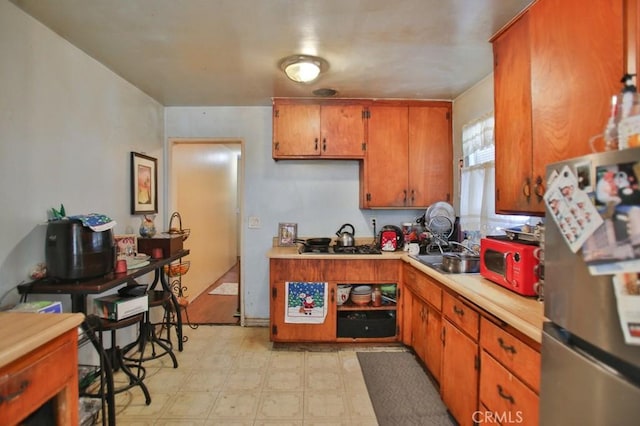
x,y
170,195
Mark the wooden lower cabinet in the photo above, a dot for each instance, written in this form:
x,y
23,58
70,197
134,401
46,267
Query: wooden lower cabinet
x,y
334,273
433,349
509,375
505,395
459,382
49,372
426,326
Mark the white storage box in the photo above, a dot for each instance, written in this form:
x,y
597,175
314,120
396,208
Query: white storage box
x,y
115,307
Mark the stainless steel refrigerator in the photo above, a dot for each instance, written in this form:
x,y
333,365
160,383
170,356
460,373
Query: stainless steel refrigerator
x,y
590,375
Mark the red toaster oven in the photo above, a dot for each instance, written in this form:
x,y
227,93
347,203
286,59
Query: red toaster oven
x,y
511,264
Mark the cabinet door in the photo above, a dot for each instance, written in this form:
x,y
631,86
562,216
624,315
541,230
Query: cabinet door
x,y
576,66
430,155
296,130
342,131
459,383
419,328
406,319
433,345
386,172
503,393
282,331
512,103
282,270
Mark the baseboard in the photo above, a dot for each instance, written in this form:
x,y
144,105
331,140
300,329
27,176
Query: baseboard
x,y
256,322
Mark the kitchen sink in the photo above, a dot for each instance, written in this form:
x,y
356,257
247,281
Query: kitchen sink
x,y
431,260
434,261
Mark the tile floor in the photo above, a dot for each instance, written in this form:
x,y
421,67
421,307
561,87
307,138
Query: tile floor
x,y
231,375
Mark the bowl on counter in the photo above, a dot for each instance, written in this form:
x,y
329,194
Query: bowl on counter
x,y
361,298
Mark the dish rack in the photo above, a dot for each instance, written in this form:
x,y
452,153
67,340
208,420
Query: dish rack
x,y
441,229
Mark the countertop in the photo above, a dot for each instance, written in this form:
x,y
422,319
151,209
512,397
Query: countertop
x,y
525,314
22,332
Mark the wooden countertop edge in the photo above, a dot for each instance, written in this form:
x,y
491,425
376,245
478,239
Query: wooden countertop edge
x,y
524,314
22,332
292,253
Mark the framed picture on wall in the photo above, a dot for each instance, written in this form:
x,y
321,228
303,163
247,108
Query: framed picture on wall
x,y
287,234
144,184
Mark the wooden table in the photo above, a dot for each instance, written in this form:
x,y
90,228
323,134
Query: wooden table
x,y
38,362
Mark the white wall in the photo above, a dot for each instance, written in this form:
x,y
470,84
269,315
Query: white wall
x,y
470,105
67,127
318,195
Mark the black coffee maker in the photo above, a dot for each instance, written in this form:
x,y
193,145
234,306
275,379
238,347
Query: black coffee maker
x,y
75,252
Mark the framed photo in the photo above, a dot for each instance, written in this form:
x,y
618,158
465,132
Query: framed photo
x,y
287,234
144,184
126,245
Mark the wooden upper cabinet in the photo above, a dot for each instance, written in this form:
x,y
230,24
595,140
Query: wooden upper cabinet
x,y
576,66
430,155
409,156
575,62
386,164
296,130
342,131
304,129
512,100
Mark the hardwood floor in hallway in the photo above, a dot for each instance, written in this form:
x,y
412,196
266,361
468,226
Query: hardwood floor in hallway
x,y
216,309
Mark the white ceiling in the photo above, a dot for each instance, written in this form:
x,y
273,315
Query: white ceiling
x,y
226,52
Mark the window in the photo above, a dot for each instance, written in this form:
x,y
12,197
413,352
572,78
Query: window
x,y
477,183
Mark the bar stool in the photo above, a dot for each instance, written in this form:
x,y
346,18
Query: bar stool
x,y
133,369
149,334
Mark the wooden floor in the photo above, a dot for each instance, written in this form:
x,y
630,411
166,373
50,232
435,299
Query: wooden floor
x,y
215,309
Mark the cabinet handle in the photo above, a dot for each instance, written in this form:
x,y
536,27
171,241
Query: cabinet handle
x,y
324,144
526,188
277,146
458,311
505,347
405,196
412,196
333,299
316,144
539,189
7,398
505,396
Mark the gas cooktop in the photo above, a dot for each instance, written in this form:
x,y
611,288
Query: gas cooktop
x,y
337,250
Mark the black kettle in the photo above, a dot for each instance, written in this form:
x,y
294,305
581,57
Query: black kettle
x,y
346,239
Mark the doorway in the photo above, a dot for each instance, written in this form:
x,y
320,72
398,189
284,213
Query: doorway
x,y
205,187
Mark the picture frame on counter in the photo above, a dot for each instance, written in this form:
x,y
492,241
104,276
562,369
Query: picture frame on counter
x,y
126,245
144,184
287,234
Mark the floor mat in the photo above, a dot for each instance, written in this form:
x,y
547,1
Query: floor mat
x,y
401,391
226,289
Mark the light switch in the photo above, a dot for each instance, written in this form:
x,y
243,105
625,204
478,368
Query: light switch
x,y
254,222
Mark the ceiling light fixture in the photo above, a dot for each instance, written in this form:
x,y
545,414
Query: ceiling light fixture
x,y
303,68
